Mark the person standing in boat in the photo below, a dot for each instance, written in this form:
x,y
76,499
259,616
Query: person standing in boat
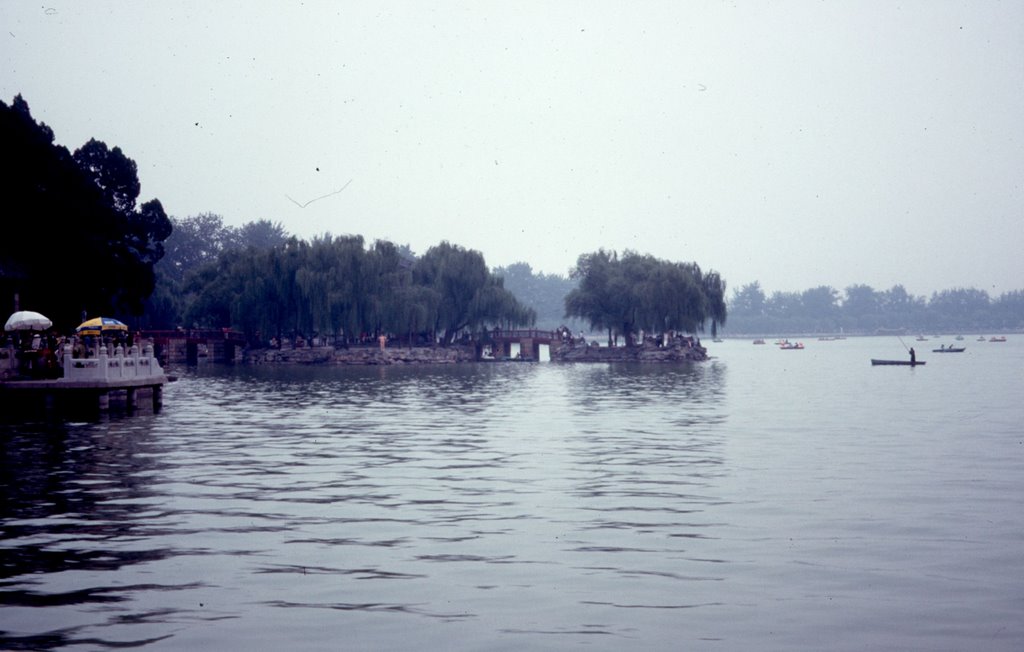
x,y
913,357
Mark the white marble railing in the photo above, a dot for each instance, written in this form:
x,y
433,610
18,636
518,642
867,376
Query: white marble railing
x,y
130,364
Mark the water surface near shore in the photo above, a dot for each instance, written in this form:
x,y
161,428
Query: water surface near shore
x,y
765,499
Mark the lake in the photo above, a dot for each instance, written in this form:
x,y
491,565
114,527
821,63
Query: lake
x,y
763,500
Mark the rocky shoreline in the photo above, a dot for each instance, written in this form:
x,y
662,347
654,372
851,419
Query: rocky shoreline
x,y
326,355
649,352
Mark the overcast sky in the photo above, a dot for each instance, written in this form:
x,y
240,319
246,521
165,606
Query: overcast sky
x,y
795,143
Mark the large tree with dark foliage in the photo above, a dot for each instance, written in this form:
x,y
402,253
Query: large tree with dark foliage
x,y
74,241
634,292
468,295
339,287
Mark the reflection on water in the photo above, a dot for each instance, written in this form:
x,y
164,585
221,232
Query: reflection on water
x,y
516,506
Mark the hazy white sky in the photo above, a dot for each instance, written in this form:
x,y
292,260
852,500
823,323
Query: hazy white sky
x,y
796,143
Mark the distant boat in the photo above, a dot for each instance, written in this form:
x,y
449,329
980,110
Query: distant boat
x,y
997,338
758,341
922,338
789,347
959,337
904,363
981,338
950,349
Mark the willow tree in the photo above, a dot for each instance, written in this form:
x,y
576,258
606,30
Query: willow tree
x,y
635,292
595,299
468,294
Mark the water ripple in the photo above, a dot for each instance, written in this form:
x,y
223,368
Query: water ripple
x,y
511,506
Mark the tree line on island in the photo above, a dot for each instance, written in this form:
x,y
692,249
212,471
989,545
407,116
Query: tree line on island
x,y
78,244
344,289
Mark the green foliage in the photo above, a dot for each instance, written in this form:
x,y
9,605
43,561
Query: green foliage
x,y
75,241
337,286
862,309
639,292
468,295
194,242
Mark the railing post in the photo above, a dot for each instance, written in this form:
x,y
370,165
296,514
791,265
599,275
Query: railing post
x,y
119,358
68,363
147,353
102,358
134,353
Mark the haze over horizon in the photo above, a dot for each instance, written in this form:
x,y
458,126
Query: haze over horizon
x,y
796,144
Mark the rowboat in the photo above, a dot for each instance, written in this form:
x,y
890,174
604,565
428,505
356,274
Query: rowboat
x,y
950,349
906,363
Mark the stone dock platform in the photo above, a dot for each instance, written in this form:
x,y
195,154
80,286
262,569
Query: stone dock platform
x,y
125,375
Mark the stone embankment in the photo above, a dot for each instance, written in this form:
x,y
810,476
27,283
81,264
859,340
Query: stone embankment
x,y
360,356
568,352
649,352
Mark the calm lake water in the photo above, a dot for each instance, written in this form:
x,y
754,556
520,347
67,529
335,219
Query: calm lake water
x,y
765,500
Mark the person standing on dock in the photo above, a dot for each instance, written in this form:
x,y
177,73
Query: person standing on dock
x,y
913,357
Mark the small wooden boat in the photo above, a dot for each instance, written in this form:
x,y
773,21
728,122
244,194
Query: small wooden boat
x,y
905,363
950,349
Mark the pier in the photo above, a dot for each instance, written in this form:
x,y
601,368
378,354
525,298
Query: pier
x,y
90,381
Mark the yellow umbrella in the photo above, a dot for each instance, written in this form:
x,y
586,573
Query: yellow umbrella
x,y
100,325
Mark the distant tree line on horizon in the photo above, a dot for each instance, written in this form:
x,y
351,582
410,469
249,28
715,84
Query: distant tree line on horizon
x,y
860,309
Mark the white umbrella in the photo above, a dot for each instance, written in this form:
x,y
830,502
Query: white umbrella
x,y
27,320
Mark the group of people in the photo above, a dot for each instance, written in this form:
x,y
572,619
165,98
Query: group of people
x,y
39,353
36,353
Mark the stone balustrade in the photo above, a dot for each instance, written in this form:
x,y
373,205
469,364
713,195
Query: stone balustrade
x,y
130,364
